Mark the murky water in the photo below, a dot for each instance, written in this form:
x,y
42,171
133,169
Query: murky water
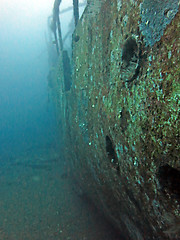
x,y
39,202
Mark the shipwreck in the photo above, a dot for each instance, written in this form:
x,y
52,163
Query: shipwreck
x,y
117,102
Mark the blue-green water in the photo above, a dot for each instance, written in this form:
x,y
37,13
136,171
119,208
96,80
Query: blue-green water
x,y
38,200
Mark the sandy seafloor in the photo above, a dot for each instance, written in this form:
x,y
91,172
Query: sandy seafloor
x,y
39,202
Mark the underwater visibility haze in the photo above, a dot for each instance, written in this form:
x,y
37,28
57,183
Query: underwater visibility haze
x,y
26,116
89,120
38,201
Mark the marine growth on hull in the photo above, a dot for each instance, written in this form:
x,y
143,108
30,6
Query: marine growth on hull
x,y
117,99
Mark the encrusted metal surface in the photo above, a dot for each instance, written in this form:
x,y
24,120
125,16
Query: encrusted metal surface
x,y
121,115
155,16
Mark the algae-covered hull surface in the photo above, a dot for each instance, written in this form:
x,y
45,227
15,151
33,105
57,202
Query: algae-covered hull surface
x,y
120,118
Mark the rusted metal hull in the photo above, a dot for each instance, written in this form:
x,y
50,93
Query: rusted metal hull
x,y
120,118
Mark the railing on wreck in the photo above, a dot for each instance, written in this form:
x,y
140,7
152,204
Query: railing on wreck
x,y
55,41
